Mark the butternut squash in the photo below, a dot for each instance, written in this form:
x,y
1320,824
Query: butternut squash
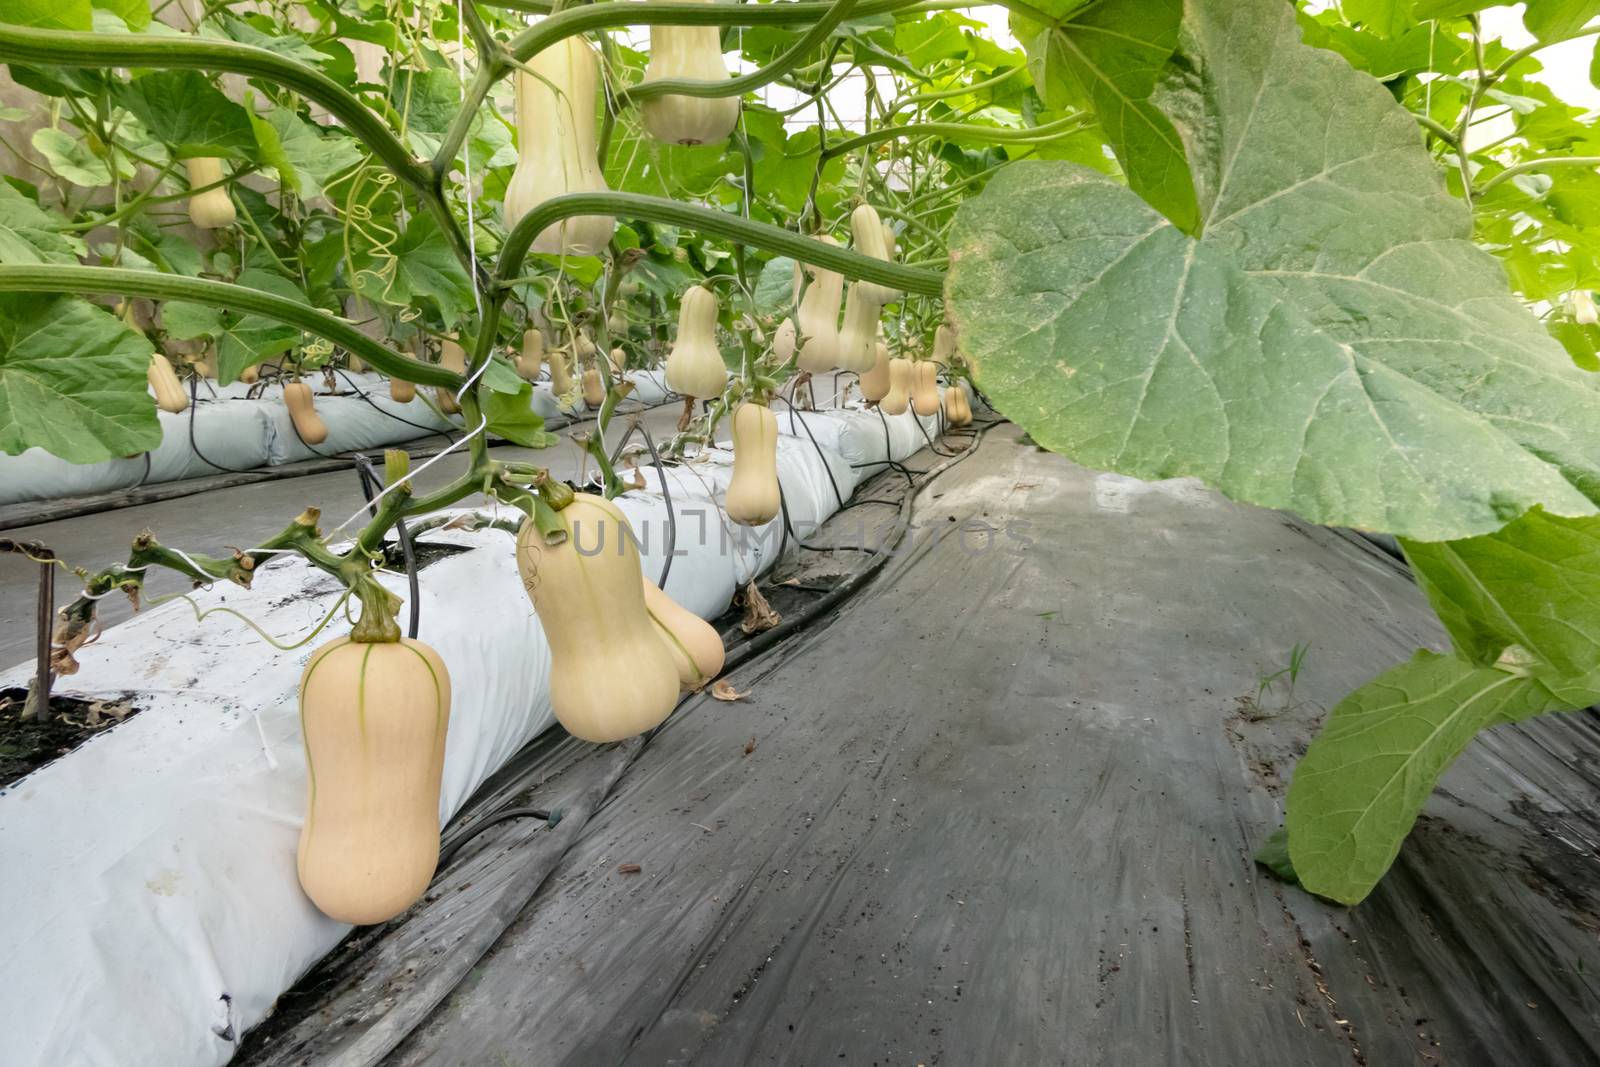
x,y
693,52
374,718
212,209
694,644
164,383
619,361
957,409
594,388
617,324
944,345
556,146
818,317
452,357
875,382
303,413
860,331
560,372
402,392
611,675
898,398
250,375
868,231
532,355
925,387
783,341
753,498
694,366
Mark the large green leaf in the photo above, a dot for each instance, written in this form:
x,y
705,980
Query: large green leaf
x,y
1553,20
49,14
71,159
1357,791
1533,587
305,157
1111,57
429,270
28,233
1334,344
183,109
72,381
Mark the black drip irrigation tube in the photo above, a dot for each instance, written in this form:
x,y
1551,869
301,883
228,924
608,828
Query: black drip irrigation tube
x,y
194,446
640,428
371,486
427,431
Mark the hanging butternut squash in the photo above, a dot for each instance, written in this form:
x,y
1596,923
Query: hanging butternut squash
x,y
594,388
250,375
619,361
303,413
783,341
556,146
868,230
694,366
402,392
818,316
532,356
374,717
695,645
753,498
860,331
944,345
611,675
212,209
875,382
957,409
451,357
560,372
898,398
695,53
925,387
164,383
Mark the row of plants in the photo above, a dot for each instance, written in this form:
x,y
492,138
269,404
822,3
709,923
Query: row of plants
x,y
1255,242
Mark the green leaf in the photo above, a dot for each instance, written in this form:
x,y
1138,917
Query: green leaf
x,y
71,158
428,269
1531,586
29,234
242,340
49,14
501,376
135,13
1274,856
249,339
1357,792
185,321
1444,9
72,381
1111,57
511,416
775,287
1334,344
1553,20
305,156
183,109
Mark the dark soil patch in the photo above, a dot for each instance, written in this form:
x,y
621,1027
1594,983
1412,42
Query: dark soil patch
x,y
27,746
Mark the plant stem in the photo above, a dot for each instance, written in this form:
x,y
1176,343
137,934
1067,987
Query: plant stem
x,y
710,221
1537,164
67,278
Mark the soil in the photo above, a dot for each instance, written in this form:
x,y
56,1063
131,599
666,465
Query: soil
x,y
27,746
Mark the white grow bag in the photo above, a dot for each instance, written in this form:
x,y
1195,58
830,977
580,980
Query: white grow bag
x,y
153,913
